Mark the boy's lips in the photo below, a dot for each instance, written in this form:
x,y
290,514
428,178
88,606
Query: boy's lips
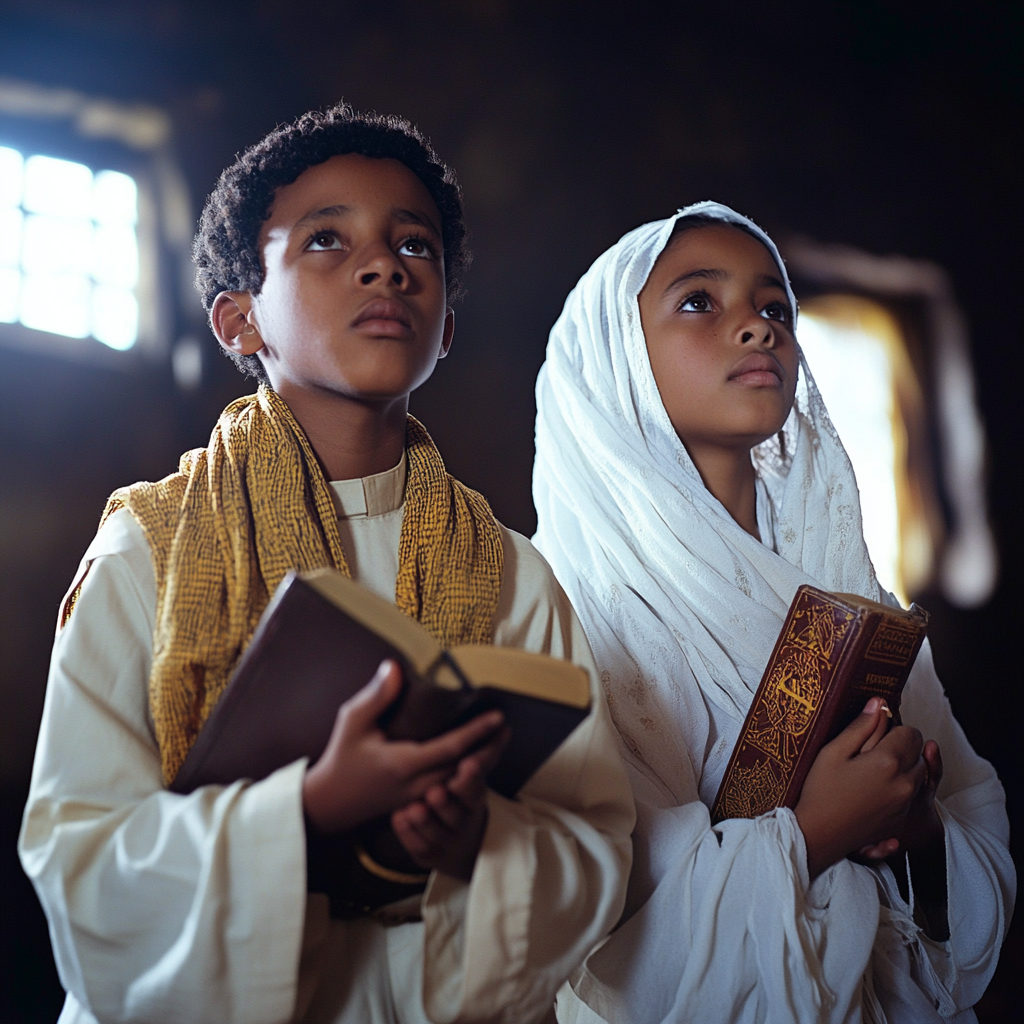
x,y
758,370
384,316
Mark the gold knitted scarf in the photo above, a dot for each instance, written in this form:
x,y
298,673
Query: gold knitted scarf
x,y
239,514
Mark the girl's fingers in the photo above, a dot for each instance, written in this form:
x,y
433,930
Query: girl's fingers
x,y
850,741
933,761
883,719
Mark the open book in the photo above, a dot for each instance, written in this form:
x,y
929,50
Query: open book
x,y
320,640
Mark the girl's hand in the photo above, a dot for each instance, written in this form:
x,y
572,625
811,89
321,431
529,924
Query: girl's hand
x,y
860,788
362,774
444,830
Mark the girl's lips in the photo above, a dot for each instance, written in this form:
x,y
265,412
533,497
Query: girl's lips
x,y
758,370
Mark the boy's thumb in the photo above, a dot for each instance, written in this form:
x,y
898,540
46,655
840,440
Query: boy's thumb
x,y
369,703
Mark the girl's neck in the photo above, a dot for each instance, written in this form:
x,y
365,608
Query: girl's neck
x,y
729,475
351,438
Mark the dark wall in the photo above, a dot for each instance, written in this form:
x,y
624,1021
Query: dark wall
x,y
891,127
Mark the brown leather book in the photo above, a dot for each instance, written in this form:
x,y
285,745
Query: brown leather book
x,y
835,651
319,641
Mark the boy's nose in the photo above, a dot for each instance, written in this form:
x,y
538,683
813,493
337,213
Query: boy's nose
x,y
381,266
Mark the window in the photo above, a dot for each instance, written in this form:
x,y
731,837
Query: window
x,y
888,345
69,255
855,350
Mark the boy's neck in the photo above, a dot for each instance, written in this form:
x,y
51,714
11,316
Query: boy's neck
x,y
729,475
351,438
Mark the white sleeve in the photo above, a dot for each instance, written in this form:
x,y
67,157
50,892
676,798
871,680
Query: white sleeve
x,y
550,878
161,907
910,970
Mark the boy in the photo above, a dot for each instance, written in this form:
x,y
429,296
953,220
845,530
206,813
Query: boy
x,y
328,256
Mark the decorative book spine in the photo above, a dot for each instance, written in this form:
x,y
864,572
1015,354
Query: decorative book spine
x,y
831,656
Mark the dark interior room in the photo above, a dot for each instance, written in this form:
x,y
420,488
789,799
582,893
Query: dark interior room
x,y
877,142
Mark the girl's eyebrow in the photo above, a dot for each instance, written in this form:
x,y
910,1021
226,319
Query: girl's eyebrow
x,y
713,274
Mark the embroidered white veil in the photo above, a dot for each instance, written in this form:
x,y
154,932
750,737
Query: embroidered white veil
x,y
672,592
682,608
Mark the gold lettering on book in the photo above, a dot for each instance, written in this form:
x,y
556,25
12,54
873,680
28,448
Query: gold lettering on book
x,y
788,709
893,643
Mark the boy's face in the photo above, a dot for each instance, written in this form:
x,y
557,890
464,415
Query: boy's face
x,y
353,298
720,338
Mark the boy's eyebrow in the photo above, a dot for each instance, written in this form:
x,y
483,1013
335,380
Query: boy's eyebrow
x,y
403,216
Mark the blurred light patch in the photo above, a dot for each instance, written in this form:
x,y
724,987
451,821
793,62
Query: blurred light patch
x,y
857,354
69,254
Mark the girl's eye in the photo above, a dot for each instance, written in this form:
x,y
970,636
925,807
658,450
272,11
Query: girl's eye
x,y
324,241
699,302
777,311
416,247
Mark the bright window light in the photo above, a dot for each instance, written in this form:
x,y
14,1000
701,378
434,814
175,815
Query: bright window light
x,y
69,254
855,350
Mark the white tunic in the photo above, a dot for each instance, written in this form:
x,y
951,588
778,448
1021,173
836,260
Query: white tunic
x,y
682,608
194,908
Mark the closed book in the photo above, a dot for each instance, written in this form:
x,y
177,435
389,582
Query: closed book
x,y
320,640
835,652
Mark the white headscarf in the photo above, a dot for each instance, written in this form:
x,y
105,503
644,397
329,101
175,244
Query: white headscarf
x,y
675,596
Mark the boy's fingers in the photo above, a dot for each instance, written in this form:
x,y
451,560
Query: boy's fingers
x,y
362,710
451,746
446,808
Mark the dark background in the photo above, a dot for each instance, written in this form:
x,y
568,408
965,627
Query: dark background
x,y
891,127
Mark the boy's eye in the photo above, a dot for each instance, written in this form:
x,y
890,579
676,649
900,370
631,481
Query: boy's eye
x,y
699,302
777,311
416,247
324,241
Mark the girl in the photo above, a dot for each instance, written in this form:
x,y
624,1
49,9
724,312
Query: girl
x,y
688,480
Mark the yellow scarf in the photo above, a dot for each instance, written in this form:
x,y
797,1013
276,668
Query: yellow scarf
x,y
239,514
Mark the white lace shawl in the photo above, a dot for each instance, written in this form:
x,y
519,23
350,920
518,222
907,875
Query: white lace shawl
x,y
682,608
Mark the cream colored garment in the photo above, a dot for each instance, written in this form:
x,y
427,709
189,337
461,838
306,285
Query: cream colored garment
x,y
169,908
682,608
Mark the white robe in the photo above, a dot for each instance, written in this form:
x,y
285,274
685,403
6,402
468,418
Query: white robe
x,y
682,608
194,908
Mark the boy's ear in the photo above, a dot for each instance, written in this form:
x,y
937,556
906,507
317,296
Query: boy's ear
x,y
232,322
449,332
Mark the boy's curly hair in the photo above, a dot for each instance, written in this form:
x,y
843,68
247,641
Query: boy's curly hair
x,y
225,249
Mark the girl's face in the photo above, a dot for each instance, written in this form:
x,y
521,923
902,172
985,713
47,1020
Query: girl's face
x,y
719,332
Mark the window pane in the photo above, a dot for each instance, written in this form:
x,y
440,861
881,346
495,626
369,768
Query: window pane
x,y
115,317
116,256
54,245
10,237
57,187
10,286
115,198
853,372
11,168
58,304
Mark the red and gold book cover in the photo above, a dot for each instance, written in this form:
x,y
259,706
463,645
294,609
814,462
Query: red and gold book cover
x,y
834,652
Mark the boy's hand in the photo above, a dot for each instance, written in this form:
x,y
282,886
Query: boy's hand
x,y
362,774
443,831
854,798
